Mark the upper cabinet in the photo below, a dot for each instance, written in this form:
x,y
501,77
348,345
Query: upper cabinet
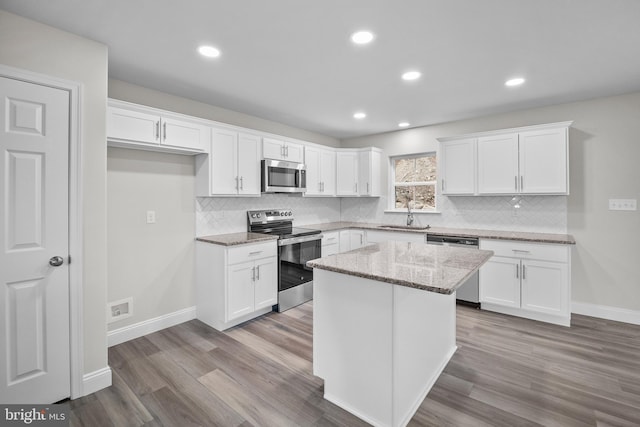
x,y
233,166
529,160
458,161
135,126
321,171
358,172
282,150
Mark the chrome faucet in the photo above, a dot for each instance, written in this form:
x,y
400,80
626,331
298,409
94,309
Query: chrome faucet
x,y
409,214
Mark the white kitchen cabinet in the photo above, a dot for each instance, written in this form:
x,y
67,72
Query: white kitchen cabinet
x,y
544,161
351,239
347,173
531,280
458,164
282,150
330,243
139,127
232,168
321,171
369,172
498,164
235,283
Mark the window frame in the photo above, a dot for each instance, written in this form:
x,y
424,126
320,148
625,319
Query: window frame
x,y
391,205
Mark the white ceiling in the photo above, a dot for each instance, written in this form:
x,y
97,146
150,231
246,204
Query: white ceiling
x,y
291,61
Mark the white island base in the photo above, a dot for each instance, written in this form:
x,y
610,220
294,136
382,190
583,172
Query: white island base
x,y
379,347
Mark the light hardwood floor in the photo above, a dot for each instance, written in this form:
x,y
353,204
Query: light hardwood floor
x,y
507,372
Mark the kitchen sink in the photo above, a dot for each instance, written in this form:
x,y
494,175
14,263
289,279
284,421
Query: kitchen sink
x,y
407,227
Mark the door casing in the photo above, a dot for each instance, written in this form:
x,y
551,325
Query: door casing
x,y
76,342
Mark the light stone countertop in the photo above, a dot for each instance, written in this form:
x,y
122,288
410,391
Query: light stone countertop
x,y
564,239
233,239
433,268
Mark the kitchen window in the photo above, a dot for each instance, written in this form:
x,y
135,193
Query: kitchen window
x,y
414,180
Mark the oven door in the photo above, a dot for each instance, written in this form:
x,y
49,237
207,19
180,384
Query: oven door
x,y
283,177
293,257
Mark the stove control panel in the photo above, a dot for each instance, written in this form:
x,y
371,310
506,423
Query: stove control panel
x,y
269,215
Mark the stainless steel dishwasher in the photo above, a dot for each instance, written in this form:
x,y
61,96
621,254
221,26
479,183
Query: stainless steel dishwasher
x,y
469,291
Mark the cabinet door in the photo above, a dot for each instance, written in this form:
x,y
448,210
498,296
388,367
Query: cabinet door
x,y
330,243
240,290
458,166
543,161
356,239
180,133
272,149
500,282
545,287
133,125
347,174
364,173
328,172
293,152
223,158
498,164
314,183
248,164
345,240
266,284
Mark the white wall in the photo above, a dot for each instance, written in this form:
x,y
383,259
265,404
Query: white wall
x,y
39,48
604,152
153,263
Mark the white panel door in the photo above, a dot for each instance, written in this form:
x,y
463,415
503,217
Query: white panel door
x,y
224,176
180,133
543,161
240,292
459,166
364,173
272,149
249,164
328,172
314,180
498,164
34,200
500,282
133,125
266,284
544,287
347,174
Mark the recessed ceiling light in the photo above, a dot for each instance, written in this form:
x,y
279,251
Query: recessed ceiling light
x,y
403,124
411,75
209,51
362,37
359,115
514,82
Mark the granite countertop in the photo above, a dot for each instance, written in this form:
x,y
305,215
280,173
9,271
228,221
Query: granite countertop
x,y
565,239
233,239
433,268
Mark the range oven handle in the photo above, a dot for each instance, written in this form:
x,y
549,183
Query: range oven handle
x,y
301,239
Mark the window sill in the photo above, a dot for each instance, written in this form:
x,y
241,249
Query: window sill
x,y
404,211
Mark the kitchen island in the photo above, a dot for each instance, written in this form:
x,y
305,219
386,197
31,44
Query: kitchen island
x,y
384,324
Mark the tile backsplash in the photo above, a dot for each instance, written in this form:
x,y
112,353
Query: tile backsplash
x,y
219,215
544,214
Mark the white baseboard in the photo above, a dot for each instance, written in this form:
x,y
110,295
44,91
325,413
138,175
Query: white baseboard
x,y
606,312
137,330
96,380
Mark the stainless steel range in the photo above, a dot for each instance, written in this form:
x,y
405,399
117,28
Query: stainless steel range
x,y
296,246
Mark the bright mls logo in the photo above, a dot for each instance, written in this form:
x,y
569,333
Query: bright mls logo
x,y
35,415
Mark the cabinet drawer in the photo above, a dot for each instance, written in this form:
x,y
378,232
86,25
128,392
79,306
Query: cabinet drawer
x,y
250,252
527,250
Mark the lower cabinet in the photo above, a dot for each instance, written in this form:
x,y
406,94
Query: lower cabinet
x,y
351,239
330,243
529,280
235,283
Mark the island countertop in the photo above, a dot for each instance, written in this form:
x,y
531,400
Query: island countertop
x,y
433,268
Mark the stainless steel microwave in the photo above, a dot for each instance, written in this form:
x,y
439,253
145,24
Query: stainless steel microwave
x,y
283,177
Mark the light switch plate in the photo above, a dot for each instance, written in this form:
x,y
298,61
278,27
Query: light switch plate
x,y
622,204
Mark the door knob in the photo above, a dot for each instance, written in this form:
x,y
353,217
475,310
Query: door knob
x,y
56,261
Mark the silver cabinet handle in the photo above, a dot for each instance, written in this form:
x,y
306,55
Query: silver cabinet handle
x,y
255,253
367,188
56,261
521,251
164,131
157,130
241,183
258,273
361,242
282,150
237,185
524,275
286,151
443,184
356,187
516,182
517,271
521,182
253,274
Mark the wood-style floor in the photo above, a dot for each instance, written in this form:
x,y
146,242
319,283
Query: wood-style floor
x,y
507,372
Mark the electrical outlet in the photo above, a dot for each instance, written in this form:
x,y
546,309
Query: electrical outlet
x,y
622,204
151,217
